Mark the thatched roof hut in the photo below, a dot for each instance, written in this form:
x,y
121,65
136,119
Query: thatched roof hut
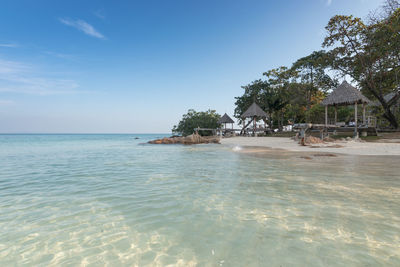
x,y
225,119
345,94
254,111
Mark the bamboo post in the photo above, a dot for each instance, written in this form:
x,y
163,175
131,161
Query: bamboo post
x,y
355,120
335,114
254,126
326,116
364,114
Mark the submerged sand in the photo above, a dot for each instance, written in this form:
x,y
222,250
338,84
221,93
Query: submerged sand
x,y
343,147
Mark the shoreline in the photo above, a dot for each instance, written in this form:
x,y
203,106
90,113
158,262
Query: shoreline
x,y
337,147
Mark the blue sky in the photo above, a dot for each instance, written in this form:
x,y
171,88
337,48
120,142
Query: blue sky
x,y
137,66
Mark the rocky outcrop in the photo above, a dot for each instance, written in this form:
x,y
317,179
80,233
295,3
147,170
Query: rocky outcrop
x,y
187,140
309,140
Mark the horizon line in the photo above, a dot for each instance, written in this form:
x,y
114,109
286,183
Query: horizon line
x,y
38,133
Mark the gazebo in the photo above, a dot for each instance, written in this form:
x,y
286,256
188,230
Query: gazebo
x,y
345,95
226,119
253,112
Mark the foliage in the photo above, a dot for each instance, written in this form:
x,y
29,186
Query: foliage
x,y
317,114
311,73
369,53
193,119
252,93
271,98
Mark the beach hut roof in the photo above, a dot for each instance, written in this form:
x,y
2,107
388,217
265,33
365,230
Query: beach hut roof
x,y
345,94
225,119
254,111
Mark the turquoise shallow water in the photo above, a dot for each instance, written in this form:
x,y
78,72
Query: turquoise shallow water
x,y
91,200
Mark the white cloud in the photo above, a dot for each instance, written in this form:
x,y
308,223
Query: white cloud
x,y
100,13
17,77
9,67
8,45
82,26
328,2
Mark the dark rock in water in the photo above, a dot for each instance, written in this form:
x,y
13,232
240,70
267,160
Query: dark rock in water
x,y
188,140
136,137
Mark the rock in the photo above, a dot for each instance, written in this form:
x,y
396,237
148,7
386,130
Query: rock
x,y
329,139
310,140
188,140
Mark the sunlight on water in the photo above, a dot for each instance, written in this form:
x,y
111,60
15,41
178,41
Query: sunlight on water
x,y
108,199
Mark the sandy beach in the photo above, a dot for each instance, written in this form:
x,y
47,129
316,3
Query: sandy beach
x,y
341,147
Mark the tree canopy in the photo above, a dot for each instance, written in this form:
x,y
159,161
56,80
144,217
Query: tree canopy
x,y
193,119
368,52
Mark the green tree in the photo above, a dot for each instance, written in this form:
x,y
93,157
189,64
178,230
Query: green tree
x,y
276,95
193,119
311,73
252,93
370,54
269,97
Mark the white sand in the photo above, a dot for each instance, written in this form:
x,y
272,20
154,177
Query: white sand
x,y
349,147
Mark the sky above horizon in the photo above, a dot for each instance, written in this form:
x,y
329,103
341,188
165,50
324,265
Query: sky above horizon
x,y
138,66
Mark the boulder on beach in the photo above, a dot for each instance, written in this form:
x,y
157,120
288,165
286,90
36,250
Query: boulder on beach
x,y
309,140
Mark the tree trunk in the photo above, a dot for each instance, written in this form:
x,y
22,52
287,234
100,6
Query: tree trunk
x,y
270,121
391,118
388,113
385,105
280,121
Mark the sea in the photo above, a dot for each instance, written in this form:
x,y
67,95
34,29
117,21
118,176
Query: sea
x,y
113,200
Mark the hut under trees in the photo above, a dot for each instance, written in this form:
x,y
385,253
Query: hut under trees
x,y
226,119
346,95
254,112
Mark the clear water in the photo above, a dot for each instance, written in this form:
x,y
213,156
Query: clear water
x,y
91,200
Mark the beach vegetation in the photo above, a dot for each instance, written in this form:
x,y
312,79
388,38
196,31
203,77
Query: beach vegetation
x,y
367,52
194,119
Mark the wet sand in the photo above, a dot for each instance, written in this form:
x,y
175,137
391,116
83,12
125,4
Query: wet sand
x,y
341,147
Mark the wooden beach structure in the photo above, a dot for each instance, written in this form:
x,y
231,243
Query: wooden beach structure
x,y
254,113
346,95
225,119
